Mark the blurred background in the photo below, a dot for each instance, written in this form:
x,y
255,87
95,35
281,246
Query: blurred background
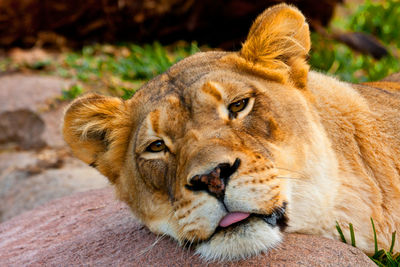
x,y
53,51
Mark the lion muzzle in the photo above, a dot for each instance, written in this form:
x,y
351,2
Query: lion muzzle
x,y
215,181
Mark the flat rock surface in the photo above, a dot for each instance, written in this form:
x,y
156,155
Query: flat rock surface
x,y
23,91
92,228
29,179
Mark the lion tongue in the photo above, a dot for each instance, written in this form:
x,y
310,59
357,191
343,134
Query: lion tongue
x,y
232,218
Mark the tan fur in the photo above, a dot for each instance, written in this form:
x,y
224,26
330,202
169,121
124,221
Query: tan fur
x,y
328,149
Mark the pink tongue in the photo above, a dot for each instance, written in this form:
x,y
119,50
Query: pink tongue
x,y
232,218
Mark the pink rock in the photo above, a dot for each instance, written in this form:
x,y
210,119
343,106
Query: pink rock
x,y
92,228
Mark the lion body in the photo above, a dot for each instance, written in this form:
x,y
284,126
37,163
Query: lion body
x,y
301,150
362,124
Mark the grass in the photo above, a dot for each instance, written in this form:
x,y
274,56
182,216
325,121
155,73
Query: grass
x,y
377,19
381,257
120,70
339,60
72,92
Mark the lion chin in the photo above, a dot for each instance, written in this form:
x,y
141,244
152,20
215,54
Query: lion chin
x,y
240,241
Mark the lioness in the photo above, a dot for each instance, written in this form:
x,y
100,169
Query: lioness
x,y
226,150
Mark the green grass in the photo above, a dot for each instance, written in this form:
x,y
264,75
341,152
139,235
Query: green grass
x,y
120,70
381,257
129,62
378,19
72,92
339,60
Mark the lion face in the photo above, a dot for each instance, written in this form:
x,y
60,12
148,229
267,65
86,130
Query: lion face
x,y
207,151
212,151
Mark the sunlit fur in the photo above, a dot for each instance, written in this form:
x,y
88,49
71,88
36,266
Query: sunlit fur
x,y
328,150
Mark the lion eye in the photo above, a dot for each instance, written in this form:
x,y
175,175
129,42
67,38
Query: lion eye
x,y
156,146
238,106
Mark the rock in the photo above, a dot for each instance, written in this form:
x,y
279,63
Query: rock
x,y
92,228
25,117
23,127
30,179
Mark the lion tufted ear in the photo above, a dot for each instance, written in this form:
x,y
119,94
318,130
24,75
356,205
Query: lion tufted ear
x,y
279,40
97,129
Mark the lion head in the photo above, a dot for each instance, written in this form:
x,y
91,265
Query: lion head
x,y
208,151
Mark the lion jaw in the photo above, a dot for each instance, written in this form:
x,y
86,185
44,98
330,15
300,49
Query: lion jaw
x,y
244,241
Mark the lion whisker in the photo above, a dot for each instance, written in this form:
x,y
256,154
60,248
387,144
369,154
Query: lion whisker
x,y
150,247
190,246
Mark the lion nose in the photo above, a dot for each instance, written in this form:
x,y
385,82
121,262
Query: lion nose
x,y
215,181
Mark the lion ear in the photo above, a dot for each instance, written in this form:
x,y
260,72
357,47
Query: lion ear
x,y
279,39
97,129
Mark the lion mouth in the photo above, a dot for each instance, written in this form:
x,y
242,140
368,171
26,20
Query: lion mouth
x,y
238,221
275,218
234,220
